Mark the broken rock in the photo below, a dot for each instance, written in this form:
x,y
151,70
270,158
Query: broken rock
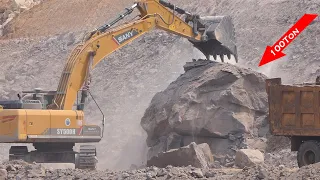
x,y
199,156
197,173
172,141
35,171
248,158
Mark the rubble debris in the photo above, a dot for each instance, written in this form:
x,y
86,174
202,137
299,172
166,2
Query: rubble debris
x,y
282,157
199,156
31,171
197,173
248,158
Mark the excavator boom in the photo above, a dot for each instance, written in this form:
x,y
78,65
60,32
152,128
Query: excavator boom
x,y
212,35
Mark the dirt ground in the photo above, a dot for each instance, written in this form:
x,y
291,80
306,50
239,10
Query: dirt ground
x,y
18,169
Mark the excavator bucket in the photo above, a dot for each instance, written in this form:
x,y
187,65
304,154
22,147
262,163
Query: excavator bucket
x,y
218,37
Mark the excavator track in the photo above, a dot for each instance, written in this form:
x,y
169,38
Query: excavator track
x,y
86,158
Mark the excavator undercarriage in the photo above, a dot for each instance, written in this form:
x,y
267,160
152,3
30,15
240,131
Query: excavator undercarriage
x,y
54,122
85,158
56,141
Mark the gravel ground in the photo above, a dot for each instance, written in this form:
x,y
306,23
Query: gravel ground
x,y
19,169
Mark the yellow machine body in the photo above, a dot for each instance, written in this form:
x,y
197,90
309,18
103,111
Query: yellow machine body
x,y
30,126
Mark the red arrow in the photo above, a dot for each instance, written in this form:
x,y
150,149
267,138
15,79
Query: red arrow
x,y
275,52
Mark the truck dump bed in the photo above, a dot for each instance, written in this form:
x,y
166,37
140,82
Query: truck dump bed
x,y
293,109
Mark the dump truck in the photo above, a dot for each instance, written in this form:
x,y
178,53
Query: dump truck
x,y
54,121
294,112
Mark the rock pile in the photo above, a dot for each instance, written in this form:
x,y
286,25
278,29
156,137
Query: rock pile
x,y
214,103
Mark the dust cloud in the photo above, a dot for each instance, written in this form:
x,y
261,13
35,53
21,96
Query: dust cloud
x,y
274,70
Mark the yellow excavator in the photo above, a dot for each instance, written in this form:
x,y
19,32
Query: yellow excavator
x,y
53,121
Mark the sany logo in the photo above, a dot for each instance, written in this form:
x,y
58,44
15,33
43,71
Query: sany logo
x,y
123,37
67,122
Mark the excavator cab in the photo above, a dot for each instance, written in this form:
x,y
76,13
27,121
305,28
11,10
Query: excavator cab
x,y
15,104
36,99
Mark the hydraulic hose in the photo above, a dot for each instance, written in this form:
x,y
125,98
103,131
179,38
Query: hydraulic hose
x,y
173,7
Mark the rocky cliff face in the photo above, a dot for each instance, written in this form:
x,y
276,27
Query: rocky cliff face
x,y
214,103
11,8
27,4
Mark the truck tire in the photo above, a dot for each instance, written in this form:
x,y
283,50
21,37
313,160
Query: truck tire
x,y
308,153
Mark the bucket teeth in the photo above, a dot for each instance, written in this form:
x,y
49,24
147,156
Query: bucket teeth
x,y
222,57
214,48
214,56
229,56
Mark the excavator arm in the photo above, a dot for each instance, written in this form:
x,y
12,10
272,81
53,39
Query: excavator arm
x,y
211,35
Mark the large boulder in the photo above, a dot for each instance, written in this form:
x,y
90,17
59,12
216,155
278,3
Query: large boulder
x,y
199,156
248,158
213,103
